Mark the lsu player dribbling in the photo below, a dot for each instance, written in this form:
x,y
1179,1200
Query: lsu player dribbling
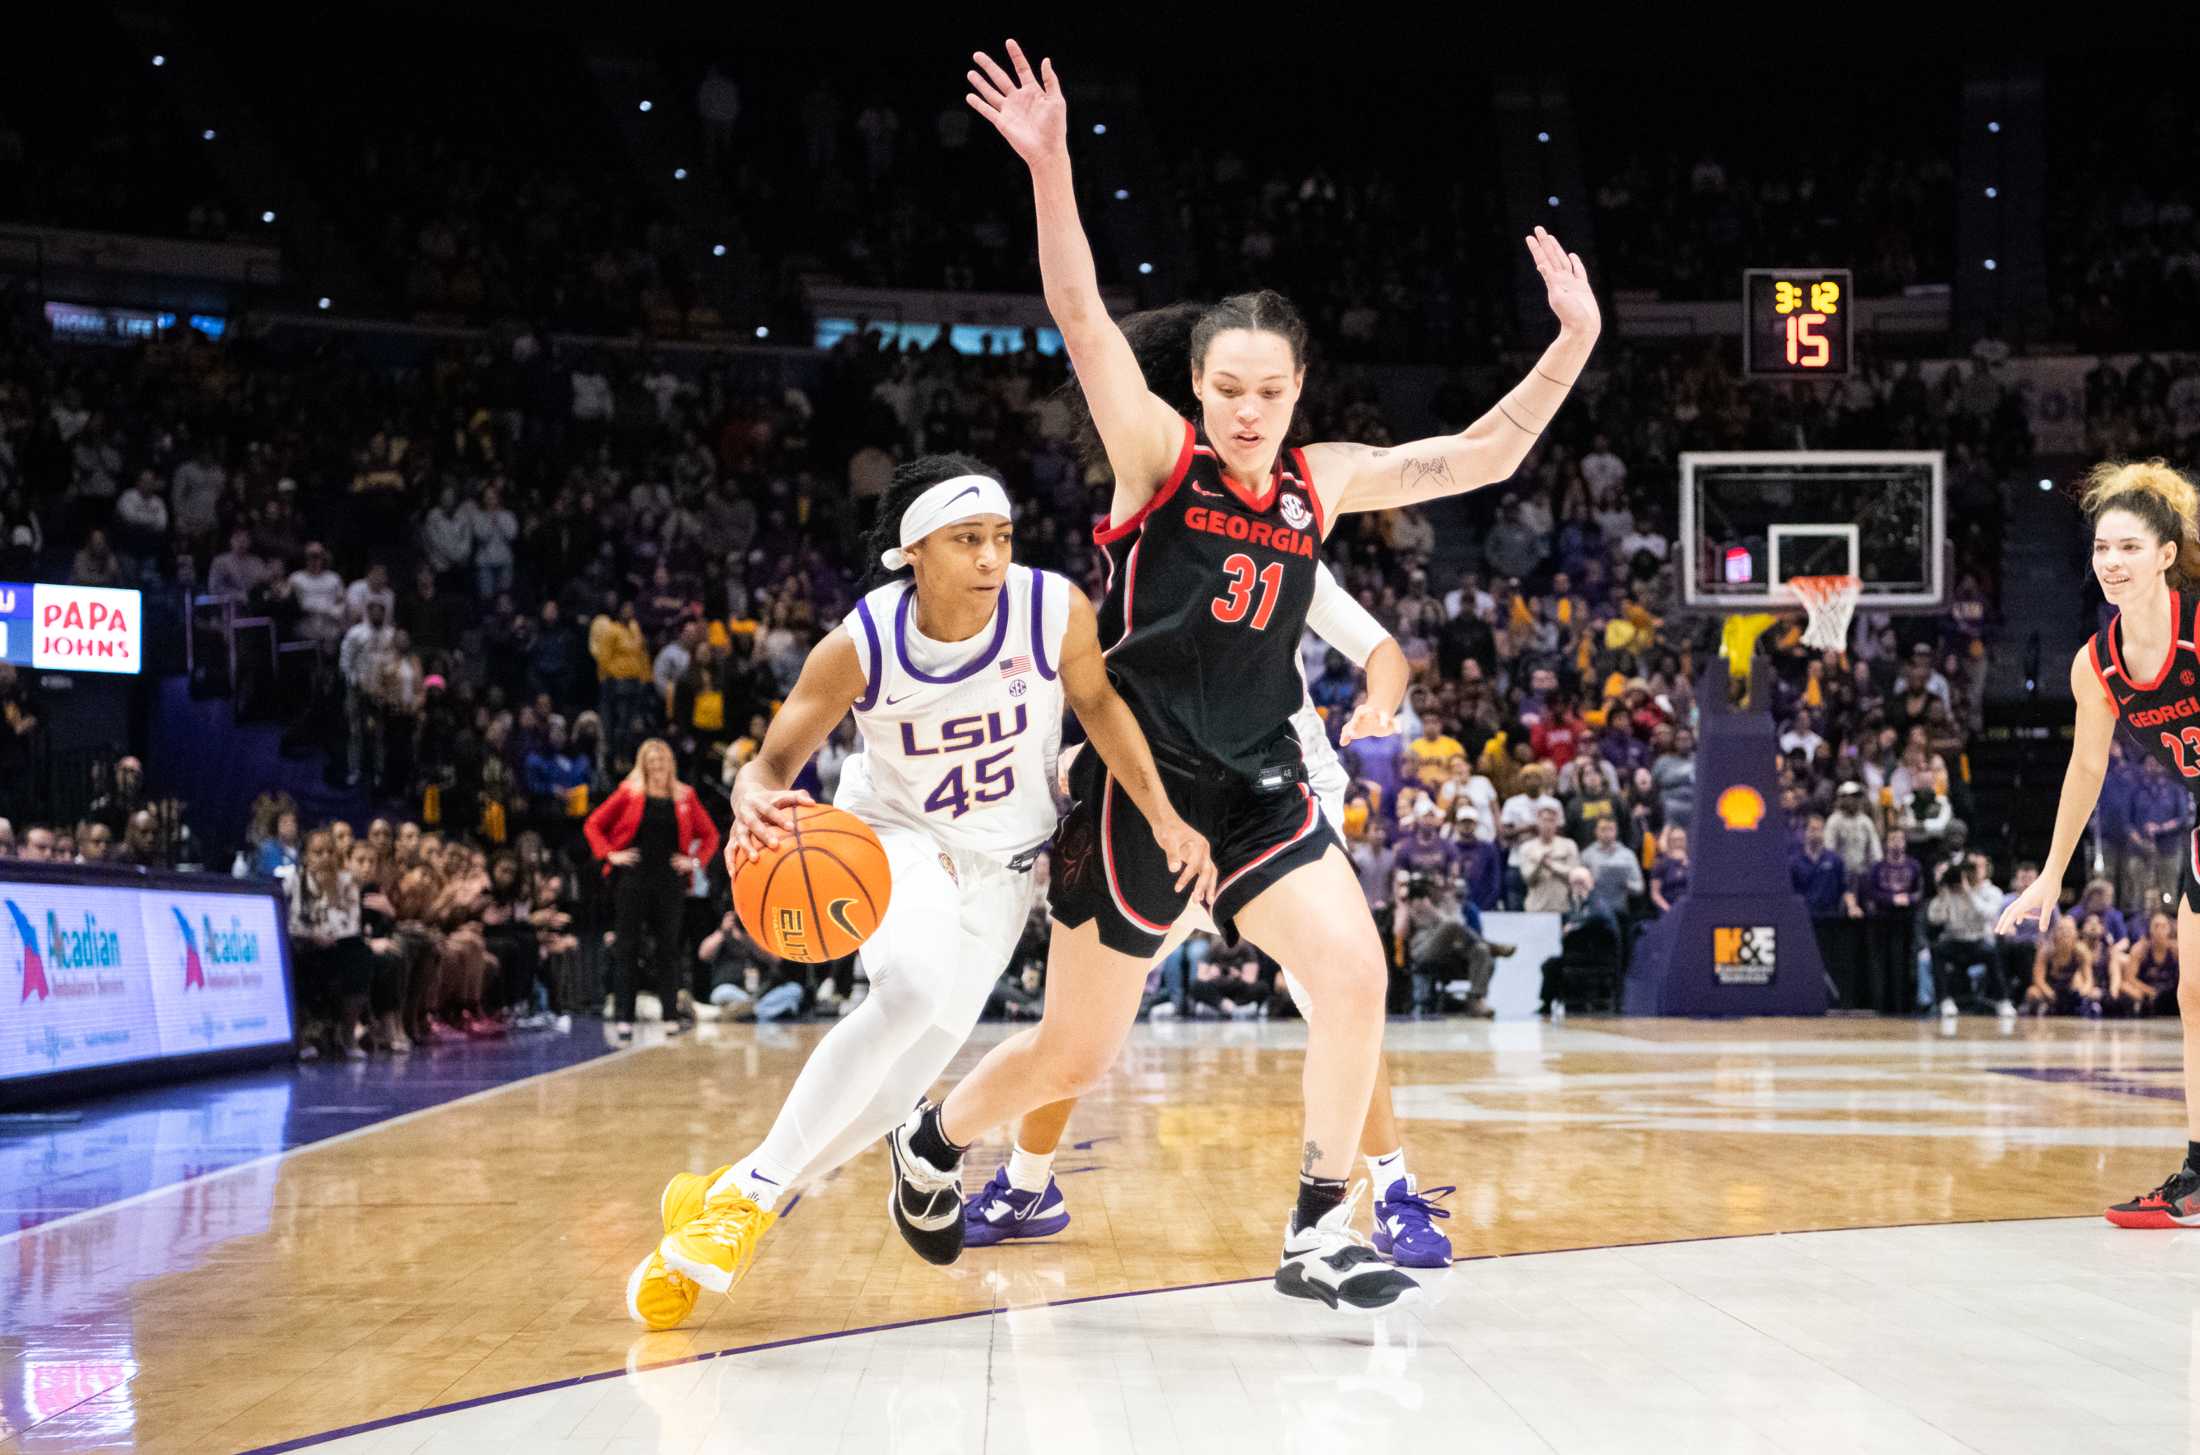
x,y
957,668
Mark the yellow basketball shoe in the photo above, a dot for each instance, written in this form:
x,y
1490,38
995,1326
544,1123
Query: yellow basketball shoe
x,y
657,1297
715,1250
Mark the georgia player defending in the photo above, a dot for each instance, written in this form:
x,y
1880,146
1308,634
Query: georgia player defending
x,y
1023,1201
2140,673
1212,542
957,670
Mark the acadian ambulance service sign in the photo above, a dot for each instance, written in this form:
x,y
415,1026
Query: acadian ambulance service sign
x,y
71,628
93,975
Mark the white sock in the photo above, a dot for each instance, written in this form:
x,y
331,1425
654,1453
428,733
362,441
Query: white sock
x,y
1028,1171
1386,1169
757,1178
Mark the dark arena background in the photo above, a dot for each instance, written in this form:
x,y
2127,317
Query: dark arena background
x,y
409,416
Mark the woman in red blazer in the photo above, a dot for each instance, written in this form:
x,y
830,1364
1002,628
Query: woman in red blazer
x,y
650,835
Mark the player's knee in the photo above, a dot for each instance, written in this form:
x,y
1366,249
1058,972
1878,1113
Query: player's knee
x,y
2188,998
1353,979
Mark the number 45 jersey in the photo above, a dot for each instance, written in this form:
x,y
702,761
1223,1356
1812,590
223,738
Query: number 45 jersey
x,y
960,739
1207,598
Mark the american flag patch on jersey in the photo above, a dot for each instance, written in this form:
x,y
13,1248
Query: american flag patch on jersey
x,y
1012,666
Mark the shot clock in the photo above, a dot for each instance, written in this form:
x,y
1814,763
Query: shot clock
x,y
1795,321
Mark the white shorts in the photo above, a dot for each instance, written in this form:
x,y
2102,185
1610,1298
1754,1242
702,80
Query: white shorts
x,y
952,921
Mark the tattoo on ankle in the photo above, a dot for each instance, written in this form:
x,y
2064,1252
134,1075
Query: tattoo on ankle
x,y
1313,1155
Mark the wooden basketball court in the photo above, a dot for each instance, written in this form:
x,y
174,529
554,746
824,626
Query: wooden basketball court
x,y
476,1253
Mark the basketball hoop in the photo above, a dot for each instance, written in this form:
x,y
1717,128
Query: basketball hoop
x,y
1831,602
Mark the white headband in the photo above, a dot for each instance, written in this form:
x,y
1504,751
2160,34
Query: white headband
x,y
944,504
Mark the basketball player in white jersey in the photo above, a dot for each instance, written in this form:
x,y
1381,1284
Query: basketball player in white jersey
x,y
1023,1201
957,670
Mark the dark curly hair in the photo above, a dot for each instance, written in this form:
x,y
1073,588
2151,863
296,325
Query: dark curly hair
x,y
1168,341
910,481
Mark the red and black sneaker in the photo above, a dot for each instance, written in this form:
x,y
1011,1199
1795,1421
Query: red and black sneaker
x,y
2175,1204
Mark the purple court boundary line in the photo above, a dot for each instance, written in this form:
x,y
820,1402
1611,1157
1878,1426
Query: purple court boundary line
x,y
345,1432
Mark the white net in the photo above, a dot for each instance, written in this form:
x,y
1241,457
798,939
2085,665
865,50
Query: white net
x,y
1831,602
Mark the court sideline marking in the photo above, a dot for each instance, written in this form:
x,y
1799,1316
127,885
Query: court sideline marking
x,y
341,1137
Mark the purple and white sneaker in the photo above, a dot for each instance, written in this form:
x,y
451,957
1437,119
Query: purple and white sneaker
x,y
1000,1212
1405,1232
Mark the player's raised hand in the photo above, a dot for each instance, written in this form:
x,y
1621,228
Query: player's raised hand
x,y
2038,902
1027,109
1565,285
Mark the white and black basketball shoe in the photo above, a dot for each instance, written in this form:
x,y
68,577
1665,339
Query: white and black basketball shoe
x,y
926,1202
1331,1263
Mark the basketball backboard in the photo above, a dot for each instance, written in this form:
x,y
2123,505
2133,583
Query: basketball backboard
x,y
1753,520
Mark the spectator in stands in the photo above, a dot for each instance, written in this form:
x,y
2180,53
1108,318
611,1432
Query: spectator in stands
x,y
2098,901
1960,933
1889,894
334,967
2142,978
1545,862
1481,861
1589,948
318,593
196,493
1617,870
141,523
1425,850
372,587
1820,876
1851,833
1669,877
2062,975
1674,772
97,564
493,528
239,572
141,846
2019,946
1439,948
36,845
2161,828
363,664
1517,820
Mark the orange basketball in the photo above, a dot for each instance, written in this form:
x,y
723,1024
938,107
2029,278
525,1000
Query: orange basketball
x,y
821,892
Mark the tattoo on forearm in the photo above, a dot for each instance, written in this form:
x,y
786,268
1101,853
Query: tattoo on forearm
x,y
1435,474
1313,1155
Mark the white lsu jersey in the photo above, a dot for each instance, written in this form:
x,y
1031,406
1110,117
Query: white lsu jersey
x,y
960,738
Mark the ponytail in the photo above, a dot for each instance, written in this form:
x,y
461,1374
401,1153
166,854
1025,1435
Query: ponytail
x,y
1170,342
2159,496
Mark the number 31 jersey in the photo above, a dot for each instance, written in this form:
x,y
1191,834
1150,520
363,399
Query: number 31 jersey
x,y
960,739
2163,715
1206,602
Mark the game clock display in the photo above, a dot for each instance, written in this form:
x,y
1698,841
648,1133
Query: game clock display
x,y
1795,321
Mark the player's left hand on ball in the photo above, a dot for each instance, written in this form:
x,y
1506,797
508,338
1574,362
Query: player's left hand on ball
x,y
1190,860
1367,721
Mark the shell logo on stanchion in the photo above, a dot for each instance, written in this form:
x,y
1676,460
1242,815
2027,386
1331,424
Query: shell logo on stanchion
x,y
1741,807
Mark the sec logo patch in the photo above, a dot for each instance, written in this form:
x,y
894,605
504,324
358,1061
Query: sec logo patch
x,y
1295,513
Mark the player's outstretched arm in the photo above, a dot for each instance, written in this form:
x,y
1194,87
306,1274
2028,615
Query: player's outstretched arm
x,y
1121,744
2081,791
831,681
1142,433
1363,477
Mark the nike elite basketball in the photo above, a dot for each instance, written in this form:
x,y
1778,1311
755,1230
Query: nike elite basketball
x,y
821,892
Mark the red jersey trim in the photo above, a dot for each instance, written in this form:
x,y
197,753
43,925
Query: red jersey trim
x,y
2093,660
1104,534
1313,496
2117,657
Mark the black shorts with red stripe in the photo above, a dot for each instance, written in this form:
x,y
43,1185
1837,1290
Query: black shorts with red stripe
x,y
1108,867
2190,877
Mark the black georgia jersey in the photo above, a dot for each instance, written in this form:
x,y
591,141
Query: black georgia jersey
x,y
2162,715
1206,601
